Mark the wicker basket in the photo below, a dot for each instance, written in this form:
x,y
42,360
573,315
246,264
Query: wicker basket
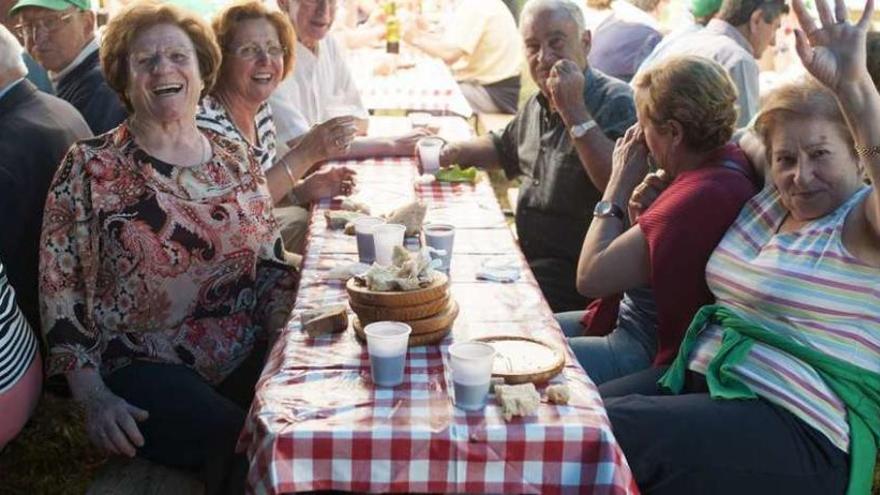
x,y
541,375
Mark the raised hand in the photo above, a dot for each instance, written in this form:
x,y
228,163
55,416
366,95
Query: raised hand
x,y
629,161
834,53
566,86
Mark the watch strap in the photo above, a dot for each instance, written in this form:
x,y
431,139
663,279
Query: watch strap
x,y
580,130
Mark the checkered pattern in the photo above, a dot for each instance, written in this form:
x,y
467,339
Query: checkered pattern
x,y
427,86
317,423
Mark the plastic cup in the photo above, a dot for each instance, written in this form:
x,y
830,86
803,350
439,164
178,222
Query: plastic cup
x,y
385,237
363,231
387,345
429,153
420,120
440,236
471,364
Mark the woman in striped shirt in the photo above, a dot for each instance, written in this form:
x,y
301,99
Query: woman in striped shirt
x,y
795,334
21,371
258,53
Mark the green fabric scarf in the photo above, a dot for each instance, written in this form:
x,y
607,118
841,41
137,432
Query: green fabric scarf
x,y
858,388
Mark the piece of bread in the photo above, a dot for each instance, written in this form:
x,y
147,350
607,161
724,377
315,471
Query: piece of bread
x,y
517,400
558,394
325,321
411,215
338,219
349,204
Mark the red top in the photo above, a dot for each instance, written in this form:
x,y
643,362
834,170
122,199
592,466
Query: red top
x,y
682,228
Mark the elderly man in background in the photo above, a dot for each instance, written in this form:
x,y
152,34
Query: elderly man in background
x,y
481,45
36,73
626,37
36,130
736,38
60,35
559,143
319,107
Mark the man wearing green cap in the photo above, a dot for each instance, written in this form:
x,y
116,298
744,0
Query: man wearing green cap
x,y
60,35
702,12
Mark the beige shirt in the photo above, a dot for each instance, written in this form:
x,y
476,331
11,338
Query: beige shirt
x,y
486,32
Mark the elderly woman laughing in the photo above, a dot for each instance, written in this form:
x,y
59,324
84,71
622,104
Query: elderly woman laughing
x,y
161,264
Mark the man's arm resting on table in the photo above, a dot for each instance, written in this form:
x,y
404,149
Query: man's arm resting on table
x,y
436,46
479,152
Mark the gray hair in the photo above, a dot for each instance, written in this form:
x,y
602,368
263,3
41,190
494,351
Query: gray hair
x,y
10,54
574,12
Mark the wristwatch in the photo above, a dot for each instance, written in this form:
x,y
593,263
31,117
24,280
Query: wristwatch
x,y
578,131
605,209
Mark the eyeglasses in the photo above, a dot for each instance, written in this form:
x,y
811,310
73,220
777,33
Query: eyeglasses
x,y
315,3
253,51
48,24
147,61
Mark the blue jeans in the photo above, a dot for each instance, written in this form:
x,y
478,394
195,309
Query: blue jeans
x,y
629,348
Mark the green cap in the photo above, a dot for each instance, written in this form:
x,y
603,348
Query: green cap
x,y
51,4
699,8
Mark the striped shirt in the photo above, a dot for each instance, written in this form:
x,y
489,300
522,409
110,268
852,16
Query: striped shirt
x,y
212,116
807,286
18,345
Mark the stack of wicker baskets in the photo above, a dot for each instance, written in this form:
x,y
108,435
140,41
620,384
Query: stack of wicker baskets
x,y
430,311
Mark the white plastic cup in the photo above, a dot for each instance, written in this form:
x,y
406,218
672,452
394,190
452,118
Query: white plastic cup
x,y
420,120
429,153
440,236
385,237
387,343
471,364
363,231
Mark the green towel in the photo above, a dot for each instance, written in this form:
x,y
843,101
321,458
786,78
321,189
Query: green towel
x,y
858,388
457,174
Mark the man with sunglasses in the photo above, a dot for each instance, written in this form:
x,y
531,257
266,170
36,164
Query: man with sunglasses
x,y
60,35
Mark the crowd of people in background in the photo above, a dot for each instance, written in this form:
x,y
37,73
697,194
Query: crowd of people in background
x,y
710,249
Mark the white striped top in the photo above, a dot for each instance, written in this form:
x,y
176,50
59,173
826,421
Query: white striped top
x,y
804,285
212,116
18,344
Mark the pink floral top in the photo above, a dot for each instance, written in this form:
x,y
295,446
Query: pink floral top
x,y
143,260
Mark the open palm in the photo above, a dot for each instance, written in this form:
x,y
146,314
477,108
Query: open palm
x,y
835,52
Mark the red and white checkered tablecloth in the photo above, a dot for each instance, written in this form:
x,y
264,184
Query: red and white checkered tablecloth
x,y
317,422
423,83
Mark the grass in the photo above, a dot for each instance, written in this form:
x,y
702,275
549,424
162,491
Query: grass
x,y
52,455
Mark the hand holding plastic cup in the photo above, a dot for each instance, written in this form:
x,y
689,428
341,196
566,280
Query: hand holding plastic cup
x,y
385,237
429,153
363,230
471,364
387,343
440,236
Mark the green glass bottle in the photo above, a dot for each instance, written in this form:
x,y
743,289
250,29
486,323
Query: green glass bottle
x,y
392,28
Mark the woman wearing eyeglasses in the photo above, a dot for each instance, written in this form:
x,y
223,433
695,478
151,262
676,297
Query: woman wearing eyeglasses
x,y
161,264
257,47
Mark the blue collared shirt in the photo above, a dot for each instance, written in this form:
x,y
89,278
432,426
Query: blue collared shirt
x,y
9,87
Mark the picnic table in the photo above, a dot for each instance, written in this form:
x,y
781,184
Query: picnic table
x,y
318,423
420,83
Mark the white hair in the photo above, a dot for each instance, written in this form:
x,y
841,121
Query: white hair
x,y
574,12
10,54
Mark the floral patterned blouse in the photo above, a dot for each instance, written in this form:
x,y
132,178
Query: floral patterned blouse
x,y
143,260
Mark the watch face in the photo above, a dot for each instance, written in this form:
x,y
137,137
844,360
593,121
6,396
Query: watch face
x,y
603,208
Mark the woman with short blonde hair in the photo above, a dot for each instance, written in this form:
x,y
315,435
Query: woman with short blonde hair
x,y
678,214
